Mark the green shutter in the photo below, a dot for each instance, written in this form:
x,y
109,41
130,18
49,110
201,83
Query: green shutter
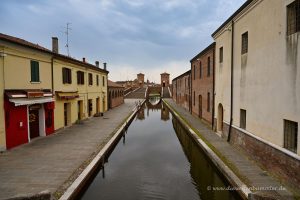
x,y
35,74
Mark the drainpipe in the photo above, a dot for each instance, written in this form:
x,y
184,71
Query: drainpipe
x,y
52,79
213,94
191,90
231,81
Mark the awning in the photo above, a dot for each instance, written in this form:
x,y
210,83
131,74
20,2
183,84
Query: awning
x,y
67,95
26,101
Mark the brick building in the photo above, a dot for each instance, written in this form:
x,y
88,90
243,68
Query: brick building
x,y
115,94
165,79
202,84
140,79
181,89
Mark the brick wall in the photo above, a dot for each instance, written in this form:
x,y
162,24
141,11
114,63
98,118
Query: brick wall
x,y
203,85
272,159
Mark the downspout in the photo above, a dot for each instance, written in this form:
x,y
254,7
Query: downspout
x,y
231,81
191,90
213,93
52,78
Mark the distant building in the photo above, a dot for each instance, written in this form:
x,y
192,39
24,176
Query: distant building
x,y
181,90
115,94
165,79
140,80
202,84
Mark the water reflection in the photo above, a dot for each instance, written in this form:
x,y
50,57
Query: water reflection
x,y
154,104
203,172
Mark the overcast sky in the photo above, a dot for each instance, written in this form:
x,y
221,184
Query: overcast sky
x,y
132,36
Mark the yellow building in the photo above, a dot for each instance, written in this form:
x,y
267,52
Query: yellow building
x,y
26,93
42,91
80,90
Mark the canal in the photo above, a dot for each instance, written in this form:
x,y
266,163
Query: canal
x,y
157,159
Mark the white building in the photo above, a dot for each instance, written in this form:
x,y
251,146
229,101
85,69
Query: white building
x,y
260,44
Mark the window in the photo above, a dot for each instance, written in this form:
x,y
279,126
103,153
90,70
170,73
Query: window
x,y
67,76
243,119
221,55
245,43
90,79
103,81
80,78
97,79
194,97
293,17
208,66
35,72
200,70
194,72
208,102
290,135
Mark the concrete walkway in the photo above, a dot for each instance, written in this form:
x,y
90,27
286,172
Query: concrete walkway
x,y
52,162
246,169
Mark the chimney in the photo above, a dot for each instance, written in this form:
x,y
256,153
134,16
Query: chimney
x,y
104,65
97,63
83,59
54,44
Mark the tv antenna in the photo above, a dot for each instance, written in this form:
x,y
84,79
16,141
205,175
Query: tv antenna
x,y
67,33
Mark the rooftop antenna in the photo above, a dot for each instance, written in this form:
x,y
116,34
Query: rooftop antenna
x,y
67,33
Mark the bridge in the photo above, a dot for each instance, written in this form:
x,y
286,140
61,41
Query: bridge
x,y
145,92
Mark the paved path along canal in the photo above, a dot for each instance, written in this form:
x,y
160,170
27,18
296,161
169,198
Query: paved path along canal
x,y
47,162
247,170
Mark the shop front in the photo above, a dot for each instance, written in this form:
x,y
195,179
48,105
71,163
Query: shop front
x,y
28,115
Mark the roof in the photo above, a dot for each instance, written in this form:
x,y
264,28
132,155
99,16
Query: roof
x,y
182,75
25,43
22,42
113,84
211,46
165,73
140,74
232,16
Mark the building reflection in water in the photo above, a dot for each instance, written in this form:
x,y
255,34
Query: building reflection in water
x,y
154,104
202,170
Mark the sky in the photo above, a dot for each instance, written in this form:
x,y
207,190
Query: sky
x,y
131,36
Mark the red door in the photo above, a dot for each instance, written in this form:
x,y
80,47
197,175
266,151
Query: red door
x,y
34,123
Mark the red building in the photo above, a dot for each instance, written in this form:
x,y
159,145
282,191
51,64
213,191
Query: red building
x,y
181,89
28,114
115,94
202,84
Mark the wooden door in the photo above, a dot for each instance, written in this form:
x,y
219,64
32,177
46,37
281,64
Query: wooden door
x,y
66,114
34,127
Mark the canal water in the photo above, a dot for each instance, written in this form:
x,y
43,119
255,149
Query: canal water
x,y
156,159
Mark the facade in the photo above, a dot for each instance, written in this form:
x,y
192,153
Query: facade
x,y
140,79
115,94
181,87
258,83
52,91
26,92
202,84
165,79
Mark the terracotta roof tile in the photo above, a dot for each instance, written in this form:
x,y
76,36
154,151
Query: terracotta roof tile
x,y
113,84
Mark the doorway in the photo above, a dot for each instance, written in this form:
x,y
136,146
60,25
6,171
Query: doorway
x,y
67,114
80,109
34,125
200,106
98,105
90,107
220,118
164,84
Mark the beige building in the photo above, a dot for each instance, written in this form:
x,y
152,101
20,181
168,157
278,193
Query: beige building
x,y
257,83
